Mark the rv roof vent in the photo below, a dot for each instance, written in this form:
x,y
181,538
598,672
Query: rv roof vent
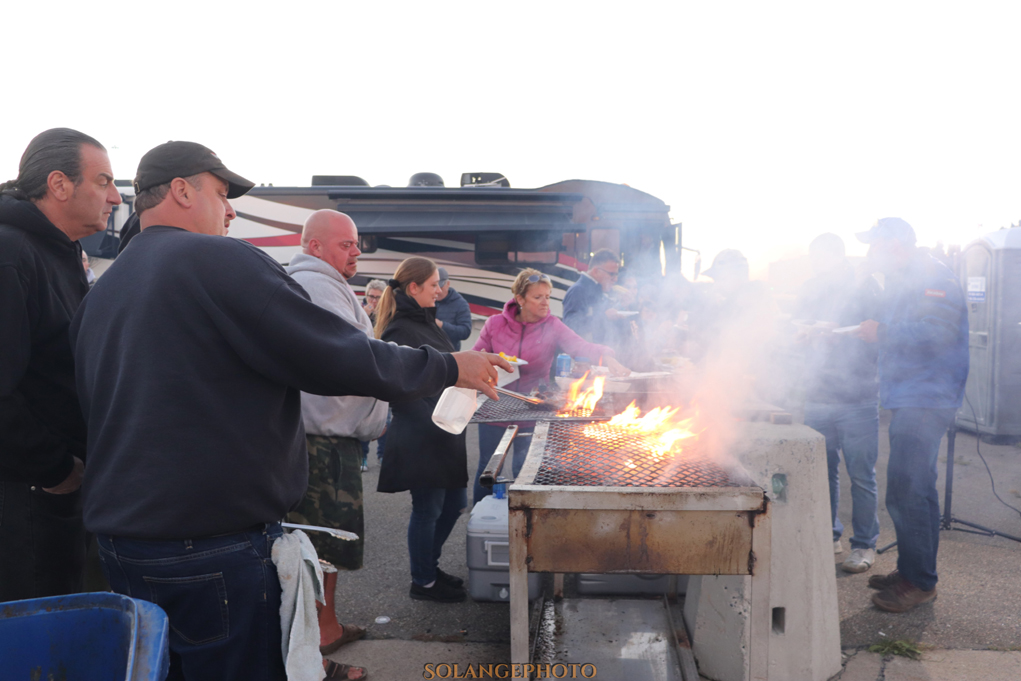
x,y
426,180
338,181
484,180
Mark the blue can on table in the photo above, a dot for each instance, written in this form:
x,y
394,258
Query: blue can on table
x,y
564,364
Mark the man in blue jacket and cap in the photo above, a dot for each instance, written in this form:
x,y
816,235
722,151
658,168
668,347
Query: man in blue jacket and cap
x,y
923,365
453,314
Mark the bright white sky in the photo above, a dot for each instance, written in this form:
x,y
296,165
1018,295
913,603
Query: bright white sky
x,y
761,124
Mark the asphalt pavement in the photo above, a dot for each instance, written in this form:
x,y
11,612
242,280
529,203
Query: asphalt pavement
x,y
978,605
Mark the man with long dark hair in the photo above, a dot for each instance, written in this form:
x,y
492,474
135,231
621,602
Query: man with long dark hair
x,y
64,191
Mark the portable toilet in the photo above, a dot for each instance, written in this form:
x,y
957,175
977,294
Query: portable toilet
x,y
991,275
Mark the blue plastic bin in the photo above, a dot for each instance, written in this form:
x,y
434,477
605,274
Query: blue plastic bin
x,y
99,636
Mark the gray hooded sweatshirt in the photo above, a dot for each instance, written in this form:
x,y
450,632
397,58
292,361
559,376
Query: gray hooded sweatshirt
x,y
363,418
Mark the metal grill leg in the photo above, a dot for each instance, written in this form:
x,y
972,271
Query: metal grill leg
x,y
518,588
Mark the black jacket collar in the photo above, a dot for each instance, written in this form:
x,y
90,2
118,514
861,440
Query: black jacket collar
x,y
26,216
408,307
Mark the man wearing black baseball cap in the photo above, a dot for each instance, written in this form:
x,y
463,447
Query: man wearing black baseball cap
x,y
181,169
162,164
922,332
193,351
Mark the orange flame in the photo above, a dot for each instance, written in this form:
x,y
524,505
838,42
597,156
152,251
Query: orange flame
x,y
659,427
578,399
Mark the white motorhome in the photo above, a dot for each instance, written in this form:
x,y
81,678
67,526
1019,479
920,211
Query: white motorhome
x,y
482,232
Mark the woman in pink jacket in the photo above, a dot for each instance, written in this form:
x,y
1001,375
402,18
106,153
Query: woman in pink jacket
x,y
527,330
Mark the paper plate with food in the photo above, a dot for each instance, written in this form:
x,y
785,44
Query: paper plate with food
x,y
514,359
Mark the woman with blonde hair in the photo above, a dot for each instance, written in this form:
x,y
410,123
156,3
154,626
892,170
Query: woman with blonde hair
x,y
420,457
527,330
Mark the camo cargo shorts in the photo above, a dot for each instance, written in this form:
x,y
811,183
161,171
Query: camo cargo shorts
x,y
334,498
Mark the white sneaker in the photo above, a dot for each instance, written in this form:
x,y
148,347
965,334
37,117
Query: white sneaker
x,y
364,468
860,560
837,546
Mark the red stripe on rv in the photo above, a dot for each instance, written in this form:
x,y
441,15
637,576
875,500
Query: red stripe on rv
x,y
483,310
564,259
284,240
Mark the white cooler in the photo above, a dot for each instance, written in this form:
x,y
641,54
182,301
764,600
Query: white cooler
x,y
489,553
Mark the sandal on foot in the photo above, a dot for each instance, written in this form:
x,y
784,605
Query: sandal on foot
x,y
350,632
337,670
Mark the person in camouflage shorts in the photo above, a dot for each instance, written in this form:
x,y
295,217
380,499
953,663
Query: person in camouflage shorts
x,y
334,499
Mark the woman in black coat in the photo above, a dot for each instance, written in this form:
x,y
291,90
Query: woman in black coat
x,y
419,456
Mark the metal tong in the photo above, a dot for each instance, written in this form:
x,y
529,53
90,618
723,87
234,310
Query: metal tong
x,y
519,396
546,403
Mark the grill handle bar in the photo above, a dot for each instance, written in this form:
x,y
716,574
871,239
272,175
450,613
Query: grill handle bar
x,y
491,475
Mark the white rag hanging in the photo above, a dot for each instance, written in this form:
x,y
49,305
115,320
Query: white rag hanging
x,y
301,580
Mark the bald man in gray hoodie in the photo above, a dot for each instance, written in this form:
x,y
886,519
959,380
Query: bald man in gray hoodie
x,y
335,426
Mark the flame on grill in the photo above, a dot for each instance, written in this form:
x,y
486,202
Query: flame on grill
x,y
583,401
660,429
661,432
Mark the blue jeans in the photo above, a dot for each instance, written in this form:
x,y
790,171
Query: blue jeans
x,y
911,496
854,430
489,438
221,595
434,512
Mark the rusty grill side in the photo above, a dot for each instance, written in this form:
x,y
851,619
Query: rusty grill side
x,y
598,454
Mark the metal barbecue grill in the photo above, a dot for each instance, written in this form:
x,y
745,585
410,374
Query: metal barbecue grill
x,y
508,409
578,505
599,454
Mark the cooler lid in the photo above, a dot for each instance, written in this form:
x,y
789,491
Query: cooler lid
x,y
490,516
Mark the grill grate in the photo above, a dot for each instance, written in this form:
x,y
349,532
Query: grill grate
x,y
620,458
509,409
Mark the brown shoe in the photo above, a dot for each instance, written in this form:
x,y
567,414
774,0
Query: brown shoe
x,y
881,582
902,596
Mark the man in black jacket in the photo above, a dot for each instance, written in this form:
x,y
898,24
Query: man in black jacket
x,y
192,353
64,191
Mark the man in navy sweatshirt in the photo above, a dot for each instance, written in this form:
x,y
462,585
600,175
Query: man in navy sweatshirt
x,y
192,352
